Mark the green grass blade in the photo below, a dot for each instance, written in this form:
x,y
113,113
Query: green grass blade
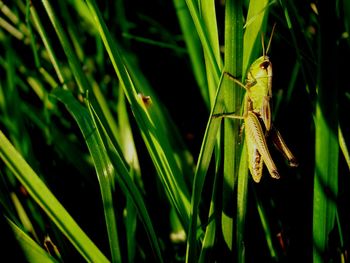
x,y
48,202
47,43
204,159
208,16
232,103
208,49
343,147
254,27
193,46
31,250
267,230
242,200
73,60
91,126
104,169
157,143
326,125
124,179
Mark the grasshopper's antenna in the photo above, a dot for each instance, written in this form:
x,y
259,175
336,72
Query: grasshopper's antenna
x,y
268,45
263,44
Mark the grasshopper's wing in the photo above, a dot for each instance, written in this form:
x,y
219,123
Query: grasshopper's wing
x,y
254,158
282,147
256,137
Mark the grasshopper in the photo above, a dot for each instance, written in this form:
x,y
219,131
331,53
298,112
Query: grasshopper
x,y
257,118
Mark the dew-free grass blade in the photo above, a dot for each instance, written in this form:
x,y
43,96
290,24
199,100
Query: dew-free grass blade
x,y
104,169
326,134
232,103
48,202
208,50
156,142
124,178
32,251
205,155
115,169
72,57
193,47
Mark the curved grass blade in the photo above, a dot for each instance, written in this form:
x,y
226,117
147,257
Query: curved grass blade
x,y
31,250
156,142
127,185
73,60
208,50
104,169
115,169
48,202
255,25
208,143
193,47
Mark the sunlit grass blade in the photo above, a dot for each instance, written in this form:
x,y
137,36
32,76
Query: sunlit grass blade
x,y
72,57
47,43
156,142
209,52
104,169
193,46
232,103
242,203
115,169
326,136
343,147
205,155
31,250
48,202
254,27
124,179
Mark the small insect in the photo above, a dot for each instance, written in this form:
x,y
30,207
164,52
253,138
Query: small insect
x,y
257,118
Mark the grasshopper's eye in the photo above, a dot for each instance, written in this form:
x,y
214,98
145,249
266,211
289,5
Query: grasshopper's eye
x,y
265,64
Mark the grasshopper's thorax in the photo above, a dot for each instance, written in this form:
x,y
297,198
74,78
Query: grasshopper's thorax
x,y
259,81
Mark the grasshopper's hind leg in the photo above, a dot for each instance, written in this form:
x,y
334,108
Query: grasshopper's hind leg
x,y
283,148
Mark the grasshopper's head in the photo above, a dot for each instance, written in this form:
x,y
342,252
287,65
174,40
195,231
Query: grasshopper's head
x,y
261,68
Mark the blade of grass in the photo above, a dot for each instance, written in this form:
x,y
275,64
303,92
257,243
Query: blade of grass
x,y
207,147
73,60
127,185
48,202
208,16
326,141
242,196
232,103
208,50
255,25
31,250
47,43
193,46
156,142
91,126
104,169
343,147
266,227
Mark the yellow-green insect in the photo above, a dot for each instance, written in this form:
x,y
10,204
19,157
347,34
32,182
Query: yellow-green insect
x,y
257,118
